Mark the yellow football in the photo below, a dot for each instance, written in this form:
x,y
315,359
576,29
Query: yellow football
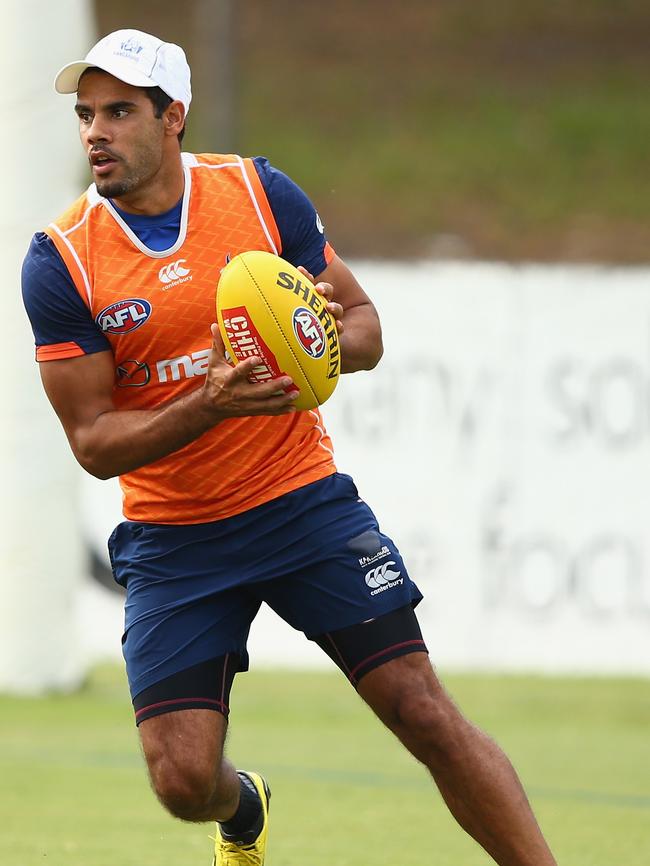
x,y
267,308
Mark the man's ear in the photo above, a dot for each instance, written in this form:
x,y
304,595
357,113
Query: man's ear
x,y
174,118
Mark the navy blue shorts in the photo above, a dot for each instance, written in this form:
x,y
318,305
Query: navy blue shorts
x,y
316,556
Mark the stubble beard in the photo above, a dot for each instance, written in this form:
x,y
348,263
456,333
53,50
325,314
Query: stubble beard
x,y
118,188
136,173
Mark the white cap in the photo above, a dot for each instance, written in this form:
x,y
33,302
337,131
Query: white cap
x,y
136,58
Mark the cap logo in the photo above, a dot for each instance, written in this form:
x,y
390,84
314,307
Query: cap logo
x,y
131,46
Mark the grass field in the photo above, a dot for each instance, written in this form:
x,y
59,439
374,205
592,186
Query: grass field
x,y
73,790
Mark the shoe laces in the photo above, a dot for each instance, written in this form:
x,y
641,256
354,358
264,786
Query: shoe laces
x,y
238,855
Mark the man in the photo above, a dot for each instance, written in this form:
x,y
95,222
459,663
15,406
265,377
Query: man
x,y
223,479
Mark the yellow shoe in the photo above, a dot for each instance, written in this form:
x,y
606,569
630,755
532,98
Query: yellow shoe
x,y
226,853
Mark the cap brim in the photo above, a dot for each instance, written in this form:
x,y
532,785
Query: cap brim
x,y
67,79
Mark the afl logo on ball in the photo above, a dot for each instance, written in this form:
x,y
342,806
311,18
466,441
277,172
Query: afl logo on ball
x,y
309,332
122,317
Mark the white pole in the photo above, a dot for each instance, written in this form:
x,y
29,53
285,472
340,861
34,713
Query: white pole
x,y
41,554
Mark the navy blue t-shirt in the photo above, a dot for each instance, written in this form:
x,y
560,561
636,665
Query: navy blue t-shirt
x,y
58,314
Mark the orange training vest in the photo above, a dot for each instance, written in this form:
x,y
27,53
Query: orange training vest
x,y
156,308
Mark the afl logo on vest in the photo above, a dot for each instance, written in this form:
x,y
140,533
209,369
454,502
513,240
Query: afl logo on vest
x,y
309,332
122,317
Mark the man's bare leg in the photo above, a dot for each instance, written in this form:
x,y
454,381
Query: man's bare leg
x,y
475,777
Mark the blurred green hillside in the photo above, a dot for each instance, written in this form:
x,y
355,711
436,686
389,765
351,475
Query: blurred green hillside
x,y
437,128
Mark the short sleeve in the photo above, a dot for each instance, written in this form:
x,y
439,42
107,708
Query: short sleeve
x,y
63,325
301,230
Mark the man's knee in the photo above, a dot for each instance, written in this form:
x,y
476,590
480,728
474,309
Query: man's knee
x,y
187,791
184,754
432,725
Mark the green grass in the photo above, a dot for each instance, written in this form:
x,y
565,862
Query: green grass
x,y
73,790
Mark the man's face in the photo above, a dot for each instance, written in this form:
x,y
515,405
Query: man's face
x,y
122,137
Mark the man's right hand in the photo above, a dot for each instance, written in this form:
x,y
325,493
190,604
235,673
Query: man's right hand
x,y
228,392
107,441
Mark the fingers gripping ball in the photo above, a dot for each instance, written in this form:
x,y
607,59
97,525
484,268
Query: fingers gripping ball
x,y
267,308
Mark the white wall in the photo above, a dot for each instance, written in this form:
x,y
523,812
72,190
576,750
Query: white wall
x,y
503,442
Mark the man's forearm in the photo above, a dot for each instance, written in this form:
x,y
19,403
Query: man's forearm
x,y
361,342
121,441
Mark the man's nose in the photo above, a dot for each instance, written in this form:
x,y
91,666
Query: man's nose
x,y
97,131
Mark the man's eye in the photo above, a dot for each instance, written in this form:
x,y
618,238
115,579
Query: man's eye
x,y
84,118
120,112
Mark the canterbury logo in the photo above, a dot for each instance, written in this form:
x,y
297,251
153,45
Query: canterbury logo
x,y
381,575
175,271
